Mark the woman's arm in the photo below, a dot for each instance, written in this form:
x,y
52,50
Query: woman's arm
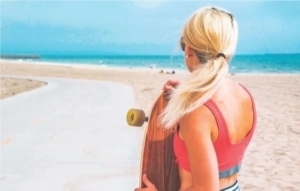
x,y
196,130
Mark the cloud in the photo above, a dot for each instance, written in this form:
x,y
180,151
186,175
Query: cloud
x,y
151,5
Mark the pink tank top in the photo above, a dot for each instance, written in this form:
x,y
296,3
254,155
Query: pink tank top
x,y
229,155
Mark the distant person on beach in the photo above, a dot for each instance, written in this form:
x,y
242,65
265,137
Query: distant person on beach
x,y
214,115
173,72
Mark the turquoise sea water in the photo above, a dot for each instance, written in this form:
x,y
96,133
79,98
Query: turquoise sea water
x,y
269,63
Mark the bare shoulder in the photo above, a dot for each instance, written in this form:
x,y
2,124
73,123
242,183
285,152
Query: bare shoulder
x,y
239,94
242,90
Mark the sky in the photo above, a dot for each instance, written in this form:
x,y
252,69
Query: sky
x,y
138,27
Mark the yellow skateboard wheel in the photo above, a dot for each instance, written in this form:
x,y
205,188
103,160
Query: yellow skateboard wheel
x,y
135,117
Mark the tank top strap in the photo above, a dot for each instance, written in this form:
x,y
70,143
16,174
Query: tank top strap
x,y
253,106
246,89
222,126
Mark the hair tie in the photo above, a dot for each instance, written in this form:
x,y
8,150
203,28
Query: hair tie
x,y
221,54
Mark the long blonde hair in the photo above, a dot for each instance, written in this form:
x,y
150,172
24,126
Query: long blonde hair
x,y
209,32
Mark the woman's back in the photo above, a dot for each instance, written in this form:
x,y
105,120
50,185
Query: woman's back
x,y
231,113
236,106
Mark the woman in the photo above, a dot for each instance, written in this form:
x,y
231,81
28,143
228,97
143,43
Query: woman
x,y
216,116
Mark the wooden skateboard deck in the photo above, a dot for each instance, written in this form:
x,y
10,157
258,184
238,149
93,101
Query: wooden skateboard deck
x,y
158,159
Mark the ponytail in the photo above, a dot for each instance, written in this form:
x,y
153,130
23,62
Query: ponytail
x,y
195,91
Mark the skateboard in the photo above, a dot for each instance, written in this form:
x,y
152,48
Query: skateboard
x,y
158,159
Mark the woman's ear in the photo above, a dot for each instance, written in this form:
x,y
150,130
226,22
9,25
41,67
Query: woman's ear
x,y
189,51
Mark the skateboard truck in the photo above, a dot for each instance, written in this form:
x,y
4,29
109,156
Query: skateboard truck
x,y
136,117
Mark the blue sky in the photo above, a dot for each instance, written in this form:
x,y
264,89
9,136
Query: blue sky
x,y
139,27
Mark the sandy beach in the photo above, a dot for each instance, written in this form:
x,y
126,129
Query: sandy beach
x,y
272,161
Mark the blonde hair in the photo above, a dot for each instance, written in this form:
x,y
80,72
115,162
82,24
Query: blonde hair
x,y
209,32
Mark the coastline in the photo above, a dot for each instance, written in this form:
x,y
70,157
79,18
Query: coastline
x,y
93,66
135,69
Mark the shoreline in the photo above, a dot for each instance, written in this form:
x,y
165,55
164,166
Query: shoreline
x,y
134,69
94,66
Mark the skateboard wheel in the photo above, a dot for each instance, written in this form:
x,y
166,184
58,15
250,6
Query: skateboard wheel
x,y
135,117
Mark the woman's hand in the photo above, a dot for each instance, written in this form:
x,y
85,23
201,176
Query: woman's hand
x,y
149,185
170,85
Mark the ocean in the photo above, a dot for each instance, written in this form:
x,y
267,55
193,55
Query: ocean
x,y
268,63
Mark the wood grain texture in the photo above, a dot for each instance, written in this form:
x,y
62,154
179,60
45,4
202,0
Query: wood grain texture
x,y
158,160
